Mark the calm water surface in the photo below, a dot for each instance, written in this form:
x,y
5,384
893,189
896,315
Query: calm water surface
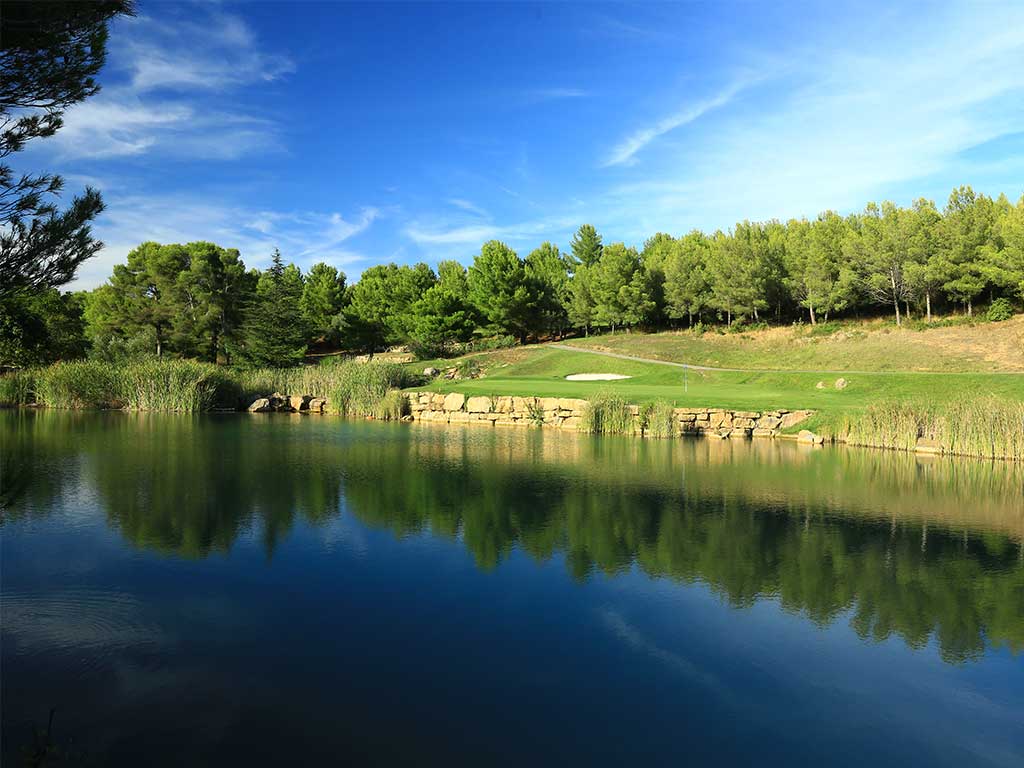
x,y
233,590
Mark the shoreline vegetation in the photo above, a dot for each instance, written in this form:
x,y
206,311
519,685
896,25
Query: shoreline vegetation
x,y
987,427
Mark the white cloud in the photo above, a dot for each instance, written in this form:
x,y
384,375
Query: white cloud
x,y
539,95
623,152
147,114
847,124
228,56
303,237
469,207
524,233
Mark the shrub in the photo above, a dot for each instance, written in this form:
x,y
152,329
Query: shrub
x,y
607,414
999,310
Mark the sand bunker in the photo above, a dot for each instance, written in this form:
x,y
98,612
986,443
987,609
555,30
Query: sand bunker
x,y
596,377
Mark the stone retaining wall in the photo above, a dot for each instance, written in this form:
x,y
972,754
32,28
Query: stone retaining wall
x,y
567,413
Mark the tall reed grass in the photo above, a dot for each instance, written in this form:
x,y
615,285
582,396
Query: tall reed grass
x,y
659,420
355,389
18,388
607,414
988,427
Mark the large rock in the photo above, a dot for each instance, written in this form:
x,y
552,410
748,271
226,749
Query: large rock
x,y
431,372
260,405
793,418
454,401
317,405
841,383
808,437
478,405
298,402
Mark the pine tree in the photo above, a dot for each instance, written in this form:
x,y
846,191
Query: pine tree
x,y
586,246
274,333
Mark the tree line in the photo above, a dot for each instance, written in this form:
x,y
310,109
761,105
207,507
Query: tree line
x,y
200,301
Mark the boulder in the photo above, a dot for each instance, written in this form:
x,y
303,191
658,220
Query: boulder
x,y
454,401
478,405
820,385
793,418
841,383
809,438
298,402
260,405
431,372
317,405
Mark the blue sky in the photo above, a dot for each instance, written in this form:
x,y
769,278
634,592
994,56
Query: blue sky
x,y
360,134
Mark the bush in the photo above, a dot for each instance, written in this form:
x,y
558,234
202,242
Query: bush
x,y
607,414
999,310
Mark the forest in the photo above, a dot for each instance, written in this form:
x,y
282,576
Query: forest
x,y
200,301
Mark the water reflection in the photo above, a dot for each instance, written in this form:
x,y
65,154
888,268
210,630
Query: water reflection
x,y
906,547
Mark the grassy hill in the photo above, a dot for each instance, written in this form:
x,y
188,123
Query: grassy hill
x,y
849,346
784,367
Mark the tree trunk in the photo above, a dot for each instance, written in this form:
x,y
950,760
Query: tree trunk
x,y
895,296
928,304
907,304
159,351
970,309
814,320
756,318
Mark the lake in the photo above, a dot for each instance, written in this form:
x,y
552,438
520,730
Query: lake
x,y
243,590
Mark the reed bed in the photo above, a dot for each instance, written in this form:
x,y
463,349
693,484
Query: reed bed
x,y
355,389
659,420
987,427
18,388
607,414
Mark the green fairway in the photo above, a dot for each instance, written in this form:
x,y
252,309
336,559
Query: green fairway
x,y
541,372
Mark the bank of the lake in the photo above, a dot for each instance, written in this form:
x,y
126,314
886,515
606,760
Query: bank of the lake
x,y
969,414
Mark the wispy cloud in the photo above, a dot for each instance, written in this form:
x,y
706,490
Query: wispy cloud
x,y
624,152
525,232
304,237
847,123
469,207
539,95
161,101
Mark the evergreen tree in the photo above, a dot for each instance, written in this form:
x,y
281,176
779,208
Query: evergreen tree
x,y
686,287
323,298
274,333
736,271
51,54
502,291
440,319
549,270
586,246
